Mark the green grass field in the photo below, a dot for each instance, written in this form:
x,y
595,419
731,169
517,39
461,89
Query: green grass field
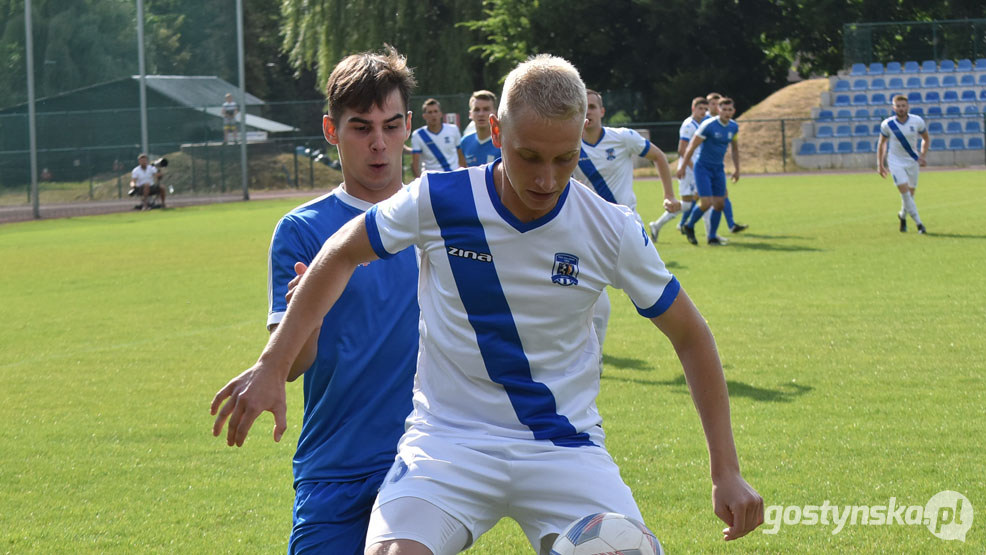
x,y
854,355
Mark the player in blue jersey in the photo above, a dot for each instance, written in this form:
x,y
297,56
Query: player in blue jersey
x,y
715,136
358,366
899,136
435,146
513,257
686,185
478,147
727,204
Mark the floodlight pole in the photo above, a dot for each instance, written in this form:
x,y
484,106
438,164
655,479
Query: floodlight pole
x,y
31,123
143,81
241,68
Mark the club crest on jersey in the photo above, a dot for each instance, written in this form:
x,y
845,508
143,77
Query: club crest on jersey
x,y
611,154
463,253
566,269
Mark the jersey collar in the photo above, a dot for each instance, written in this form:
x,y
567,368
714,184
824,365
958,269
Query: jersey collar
x,y
505,213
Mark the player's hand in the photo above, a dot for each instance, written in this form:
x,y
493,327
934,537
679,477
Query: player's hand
x,y
300,269
256,390
735,177
737,504
882,171
680,174
922,161
672,205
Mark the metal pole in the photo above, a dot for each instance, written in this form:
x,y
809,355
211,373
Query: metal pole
x,y
143,80
241,68
783,148
295,166
31,123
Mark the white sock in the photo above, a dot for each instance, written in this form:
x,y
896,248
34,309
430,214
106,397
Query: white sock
x,y
686,207
665,218
911,207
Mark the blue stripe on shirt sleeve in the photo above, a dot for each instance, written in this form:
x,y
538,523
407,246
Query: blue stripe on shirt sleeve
x,y
646,149
664,302
374,233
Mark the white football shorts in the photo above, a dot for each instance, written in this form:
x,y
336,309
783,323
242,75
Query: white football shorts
x,y
904,172
686,185
538,484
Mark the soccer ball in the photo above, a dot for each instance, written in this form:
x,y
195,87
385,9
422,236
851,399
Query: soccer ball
x,y
606,534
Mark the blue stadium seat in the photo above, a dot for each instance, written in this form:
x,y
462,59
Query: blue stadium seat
x,y
980,64
841,86
946,66
860,100
968,95
932,97
864,147
950,81
860,85
845,147
861,113
913,82
956,143
953,112
935,128
861,130
931,82
934,112
892,68
965,64
843,115
858,69
876,68
877,99
914,98
967,81
982,95
826,148
842,131
972,110
982,80
807,149
878,84
938,144
973,126
950,96
841,100
929,66
917,110
823,131
953,128
895,83
975,143
825,115
911,67
876,128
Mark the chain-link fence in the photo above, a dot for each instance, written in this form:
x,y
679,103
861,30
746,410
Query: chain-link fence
x,y
864,43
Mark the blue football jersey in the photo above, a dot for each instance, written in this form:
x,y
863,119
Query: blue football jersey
x,y
716,140
358,391
479,152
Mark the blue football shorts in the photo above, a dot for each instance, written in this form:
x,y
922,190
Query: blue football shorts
x,y
331,517
710,180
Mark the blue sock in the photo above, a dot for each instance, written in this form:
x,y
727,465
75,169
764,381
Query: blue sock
x,y
696,215
714,223
727,211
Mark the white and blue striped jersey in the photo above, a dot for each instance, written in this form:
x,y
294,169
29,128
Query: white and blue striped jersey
x,y
358,391
439,151
687,131
904,138
607,165
717,138
507,344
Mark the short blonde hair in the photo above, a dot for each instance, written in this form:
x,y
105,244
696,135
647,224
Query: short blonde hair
x,y
548,85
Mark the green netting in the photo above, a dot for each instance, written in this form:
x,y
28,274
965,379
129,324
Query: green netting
x,y
865,43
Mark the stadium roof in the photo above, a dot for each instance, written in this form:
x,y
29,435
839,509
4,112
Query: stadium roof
x,y
194,90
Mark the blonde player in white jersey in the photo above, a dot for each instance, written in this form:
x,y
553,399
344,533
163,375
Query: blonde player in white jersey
x,y
899,136
686,185
513,256
606,165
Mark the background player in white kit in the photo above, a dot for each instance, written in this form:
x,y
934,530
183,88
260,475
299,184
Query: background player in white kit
x,y
435,146
606,165
510,251
899,136
686,185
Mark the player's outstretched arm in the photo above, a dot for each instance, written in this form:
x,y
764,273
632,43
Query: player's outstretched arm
x,y
733,500
261,387
692,145
660,160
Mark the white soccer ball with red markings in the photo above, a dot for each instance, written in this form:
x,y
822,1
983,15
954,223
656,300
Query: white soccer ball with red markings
x,y
606,534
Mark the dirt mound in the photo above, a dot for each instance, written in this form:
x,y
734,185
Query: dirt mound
x,y
760,141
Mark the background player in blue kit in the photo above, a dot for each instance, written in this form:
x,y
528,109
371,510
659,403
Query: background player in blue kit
x,y
435,146
478,147
513,257
358,366
715,136
899,136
